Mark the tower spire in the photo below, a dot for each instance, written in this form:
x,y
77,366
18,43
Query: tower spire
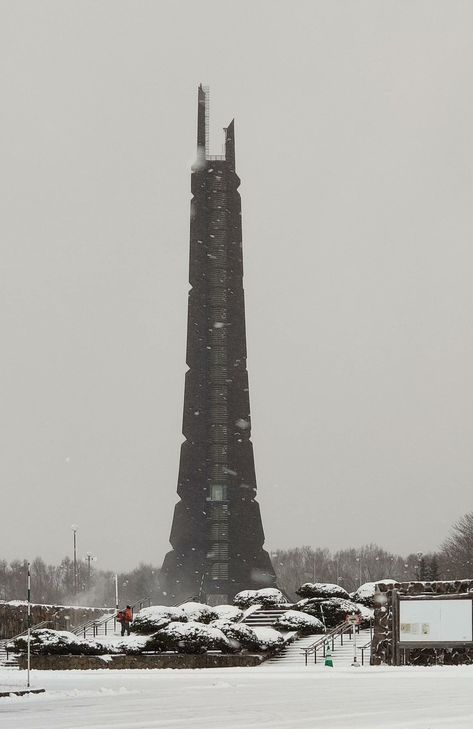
x,y
217,534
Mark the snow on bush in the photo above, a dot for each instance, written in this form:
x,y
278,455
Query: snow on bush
x,y
322,589
48,642
366,615
228,612
331,612
302,622
190,637
153,618
268,638
241,636
267,596
366,593
198,612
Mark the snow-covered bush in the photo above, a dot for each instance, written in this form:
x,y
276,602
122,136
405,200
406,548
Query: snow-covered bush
x,y
331,612
48,642
268,638
266,597
239,634
228,612
322,589
302,622
366,615
198,612
189,637
153,618
366,593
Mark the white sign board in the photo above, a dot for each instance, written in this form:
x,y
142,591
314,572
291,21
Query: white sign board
x,y
435,621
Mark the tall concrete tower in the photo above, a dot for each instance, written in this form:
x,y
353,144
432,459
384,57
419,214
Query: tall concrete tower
x,y
217,534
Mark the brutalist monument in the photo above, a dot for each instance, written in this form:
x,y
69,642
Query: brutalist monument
x,y
217,534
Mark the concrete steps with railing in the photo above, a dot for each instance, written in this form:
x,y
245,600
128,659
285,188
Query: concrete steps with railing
x,y
292,656
7,659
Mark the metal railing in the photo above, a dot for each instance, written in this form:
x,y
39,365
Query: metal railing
x,y
363,648
7,641
327,638
96,624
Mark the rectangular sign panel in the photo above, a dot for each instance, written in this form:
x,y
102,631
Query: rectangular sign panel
x,y
436,621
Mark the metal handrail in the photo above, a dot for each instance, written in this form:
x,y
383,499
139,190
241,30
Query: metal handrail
x,y
95,624
363,648
6,641
326,638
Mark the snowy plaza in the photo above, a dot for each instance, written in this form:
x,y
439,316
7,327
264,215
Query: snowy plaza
x,y
297,698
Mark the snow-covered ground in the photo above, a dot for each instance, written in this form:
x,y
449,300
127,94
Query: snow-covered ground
x,y
244,698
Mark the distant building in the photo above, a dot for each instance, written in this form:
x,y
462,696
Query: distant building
x,y
217,534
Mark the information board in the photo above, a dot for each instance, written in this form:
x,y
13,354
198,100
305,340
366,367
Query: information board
x,y
435,621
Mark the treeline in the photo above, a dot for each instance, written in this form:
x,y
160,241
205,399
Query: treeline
x,y
55,584
350,567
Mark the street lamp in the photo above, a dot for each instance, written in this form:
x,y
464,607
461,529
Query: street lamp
x,y
419,562
358,559
90,558
74,532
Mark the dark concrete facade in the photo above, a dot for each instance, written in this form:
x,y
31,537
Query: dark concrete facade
x,y
217,534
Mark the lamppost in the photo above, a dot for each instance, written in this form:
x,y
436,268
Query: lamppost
x,y
419,564
74,532
358,559
90,558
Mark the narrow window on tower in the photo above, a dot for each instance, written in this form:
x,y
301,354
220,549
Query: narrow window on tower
x,y
218,493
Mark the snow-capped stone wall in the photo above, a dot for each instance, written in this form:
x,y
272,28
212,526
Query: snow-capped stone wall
x,y
13,616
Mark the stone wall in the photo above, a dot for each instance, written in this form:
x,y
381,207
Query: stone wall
x,y
13,616
157,660
382,644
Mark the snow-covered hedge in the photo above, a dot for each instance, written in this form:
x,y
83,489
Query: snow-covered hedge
x,y
48,642
153,618
190,637
267,597
331,612
198,612
268,638
367,615
241,636
322,589
366,593
228,612
302,622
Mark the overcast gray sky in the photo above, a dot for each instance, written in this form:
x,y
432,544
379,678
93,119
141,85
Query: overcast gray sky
x,y
353,129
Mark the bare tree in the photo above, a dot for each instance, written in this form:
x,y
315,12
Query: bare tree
x,y
456,556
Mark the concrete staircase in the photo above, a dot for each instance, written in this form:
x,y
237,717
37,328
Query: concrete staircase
x,y
291,655
342,652
7,660
265,617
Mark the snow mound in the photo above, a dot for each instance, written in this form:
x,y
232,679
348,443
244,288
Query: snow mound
x,y
268,638
153,618
228,612
45,641
302,622
267,596
189,637
198,612
366,592
239,634
331,611
322,589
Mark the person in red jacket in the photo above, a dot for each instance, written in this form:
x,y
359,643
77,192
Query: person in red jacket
x,y
124,617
